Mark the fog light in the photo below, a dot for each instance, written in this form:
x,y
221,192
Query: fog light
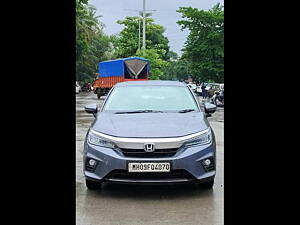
x,y
207,162
92,162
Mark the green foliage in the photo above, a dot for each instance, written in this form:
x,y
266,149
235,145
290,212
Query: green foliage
x,y
172,56
157,64
92,45
157,49
204,47
127,42
176,70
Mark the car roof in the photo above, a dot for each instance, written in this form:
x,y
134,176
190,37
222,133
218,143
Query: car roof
x,y
151,83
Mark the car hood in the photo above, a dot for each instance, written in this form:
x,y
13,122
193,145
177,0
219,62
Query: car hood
x,y
150,125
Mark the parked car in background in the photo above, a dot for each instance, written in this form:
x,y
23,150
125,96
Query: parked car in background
x,y
192,86
199,90
78,88
222,86
212,88
218,97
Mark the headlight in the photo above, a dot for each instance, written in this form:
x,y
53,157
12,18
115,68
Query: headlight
x,y
96,140
202,139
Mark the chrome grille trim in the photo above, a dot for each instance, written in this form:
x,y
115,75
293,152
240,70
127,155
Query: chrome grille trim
x,y
160,143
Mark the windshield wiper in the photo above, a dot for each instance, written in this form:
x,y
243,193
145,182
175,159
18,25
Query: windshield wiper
x,y
186,110
139,111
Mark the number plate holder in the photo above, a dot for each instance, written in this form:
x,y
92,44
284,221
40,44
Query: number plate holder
x,y
146,167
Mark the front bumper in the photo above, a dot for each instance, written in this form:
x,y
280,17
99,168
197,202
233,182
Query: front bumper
x,y
186,166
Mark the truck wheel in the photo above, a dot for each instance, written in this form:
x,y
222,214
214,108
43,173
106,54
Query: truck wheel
x,y
93,185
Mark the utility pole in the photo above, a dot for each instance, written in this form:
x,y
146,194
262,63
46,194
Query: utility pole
x,y
139,33
144,25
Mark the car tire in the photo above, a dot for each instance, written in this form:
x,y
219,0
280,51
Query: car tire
x,y
93,185
207,185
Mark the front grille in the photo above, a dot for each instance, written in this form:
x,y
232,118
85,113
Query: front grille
x,y
124,174
140,153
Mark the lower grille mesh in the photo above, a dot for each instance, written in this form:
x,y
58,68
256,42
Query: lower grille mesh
x,y
124,174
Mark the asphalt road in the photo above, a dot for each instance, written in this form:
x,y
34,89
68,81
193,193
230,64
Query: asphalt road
x,y
124,204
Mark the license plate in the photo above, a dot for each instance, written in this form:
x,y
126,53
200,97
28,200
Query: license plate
x,y
149,167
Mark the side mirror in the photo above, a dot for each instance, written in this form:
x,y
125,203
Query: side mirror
x,y
209,108
92,108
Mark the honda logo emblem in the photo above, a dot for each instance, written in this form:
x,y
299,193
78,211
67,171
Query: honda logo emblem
x,y
149,147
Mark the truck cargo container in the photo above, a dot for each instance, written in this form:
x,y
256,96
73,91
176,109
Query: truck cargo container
x,y
120,70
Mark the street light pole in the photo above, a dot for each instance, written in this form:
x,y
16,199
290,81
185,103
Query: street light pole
x,y
144,25
139,33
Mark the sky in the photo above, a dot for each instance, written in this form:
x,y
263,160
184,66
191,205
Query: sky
x,y
165,15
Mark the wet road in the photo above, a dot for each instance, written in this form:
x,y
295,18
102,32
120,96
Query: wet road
x,y
122,204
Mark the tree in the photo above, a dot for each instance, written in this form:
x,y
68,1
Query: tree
x,y
204,48
157,64
176,70
127,43
172,56
87,25
92,45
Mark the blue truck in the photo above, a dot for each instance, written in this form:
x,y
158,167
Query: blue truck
x,y
120,70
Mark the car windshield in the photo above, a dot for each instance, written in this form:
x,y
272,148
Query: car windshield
x,y
151,99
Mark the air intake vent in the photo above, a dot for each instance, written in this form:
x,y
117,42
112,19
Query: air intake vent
x,y
140,153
